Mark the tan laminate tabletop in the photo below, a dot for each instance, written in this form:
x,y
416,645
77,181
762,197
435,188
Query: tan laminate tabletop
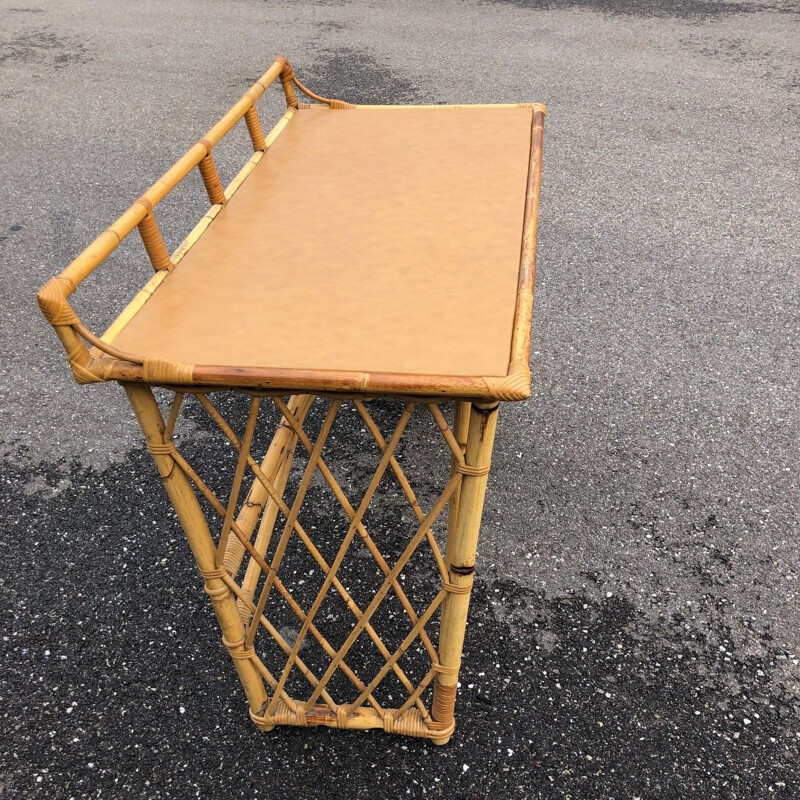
x,y
374,240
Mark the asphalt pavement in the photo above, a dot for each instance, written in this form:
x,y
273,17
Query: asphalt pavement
x,y
635,629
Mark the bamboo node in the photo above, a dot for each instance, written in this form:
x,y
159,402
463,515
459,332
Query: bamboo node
x,y
144,201
444,670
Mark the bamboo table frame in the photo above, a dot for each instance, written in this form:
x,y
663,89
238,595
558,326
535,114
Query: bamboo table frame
x,y
239,575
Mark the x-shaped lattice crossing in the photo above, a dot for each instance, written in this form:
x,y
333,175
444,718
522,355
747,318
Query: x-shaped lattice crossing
x,y
293,415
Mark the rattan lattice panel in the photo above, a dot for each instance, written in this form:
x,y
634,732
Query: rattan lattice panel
x,y
327,620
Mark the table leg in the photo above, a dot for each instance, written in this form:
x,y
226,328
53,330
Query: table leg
x,y
195,527
462,541
460,430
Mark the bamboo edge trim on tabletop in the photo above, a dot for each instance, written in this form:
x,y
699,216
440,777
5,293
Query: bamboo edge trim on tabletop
x,y
105,362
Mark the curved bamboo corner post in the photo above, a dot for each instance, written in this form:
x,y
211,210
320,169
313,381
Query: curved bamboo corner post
x,y
462,543
197,533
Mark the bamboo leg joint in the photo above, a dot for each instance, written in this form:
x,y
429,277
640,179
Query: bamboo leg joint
x,y
238,649
473,470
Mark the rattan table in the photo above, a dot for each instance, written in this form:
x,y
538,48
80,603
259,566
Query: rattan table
x,y
362,252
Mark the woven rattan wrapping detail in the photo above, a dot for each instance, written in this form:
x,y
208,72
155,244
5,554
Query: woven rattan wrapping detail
x,y
254,129
452,588
215,592
208,171
239,649
84,375
161,448
53,302
153,243
210,574
287,76
515,386
283,715
260,722
441,729
410,723
474,471
444,699
85,368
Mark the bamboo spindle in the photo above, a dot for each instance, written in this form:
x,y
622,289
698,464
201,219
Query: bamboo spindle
x,y
254,129
462,543
195,527
288,89
208,171
154,242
